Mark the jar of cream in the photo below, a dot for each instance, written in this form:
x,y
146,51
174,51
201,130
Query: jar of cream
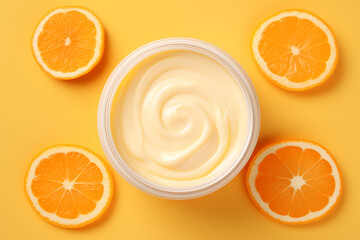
x,y
178,118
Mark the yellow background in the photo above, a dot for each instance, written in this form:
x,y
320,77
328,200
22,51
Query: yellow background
x,y
37,111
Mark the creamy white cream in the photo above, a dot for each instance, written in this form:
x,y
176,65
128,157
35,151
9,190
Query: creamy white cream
x,y
179,118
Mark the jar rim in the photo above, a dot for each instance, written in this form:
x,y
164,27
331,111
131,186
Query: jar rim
x,y
119,73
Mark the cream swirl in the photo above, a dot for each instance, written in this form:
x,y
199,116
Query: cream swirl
x,y
179,118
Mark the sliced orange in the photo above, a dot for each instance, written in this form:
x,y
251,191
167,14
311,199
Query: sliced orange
x,y
295,49
68,42
68,185
294,181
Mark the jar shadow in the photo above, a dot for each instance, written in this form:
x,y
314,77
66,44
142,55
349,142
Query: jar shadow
x,y
228,204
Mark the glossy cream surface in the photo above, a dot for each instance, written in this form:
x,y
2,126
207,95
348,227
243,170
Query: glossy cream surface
x,y
179,118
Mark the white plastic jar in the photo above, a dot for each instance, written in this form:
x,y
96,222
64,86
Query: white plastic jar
x,y
138,56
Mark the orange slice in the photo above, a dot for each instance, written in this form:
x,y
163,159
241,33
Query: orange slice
x,y
295,50
68,186
294,181
68,42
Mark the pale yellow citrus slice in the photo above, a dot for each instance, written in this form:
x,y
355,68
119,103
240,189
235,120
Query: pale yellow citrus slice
x,y
68,42
294,181
295,49
68,185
